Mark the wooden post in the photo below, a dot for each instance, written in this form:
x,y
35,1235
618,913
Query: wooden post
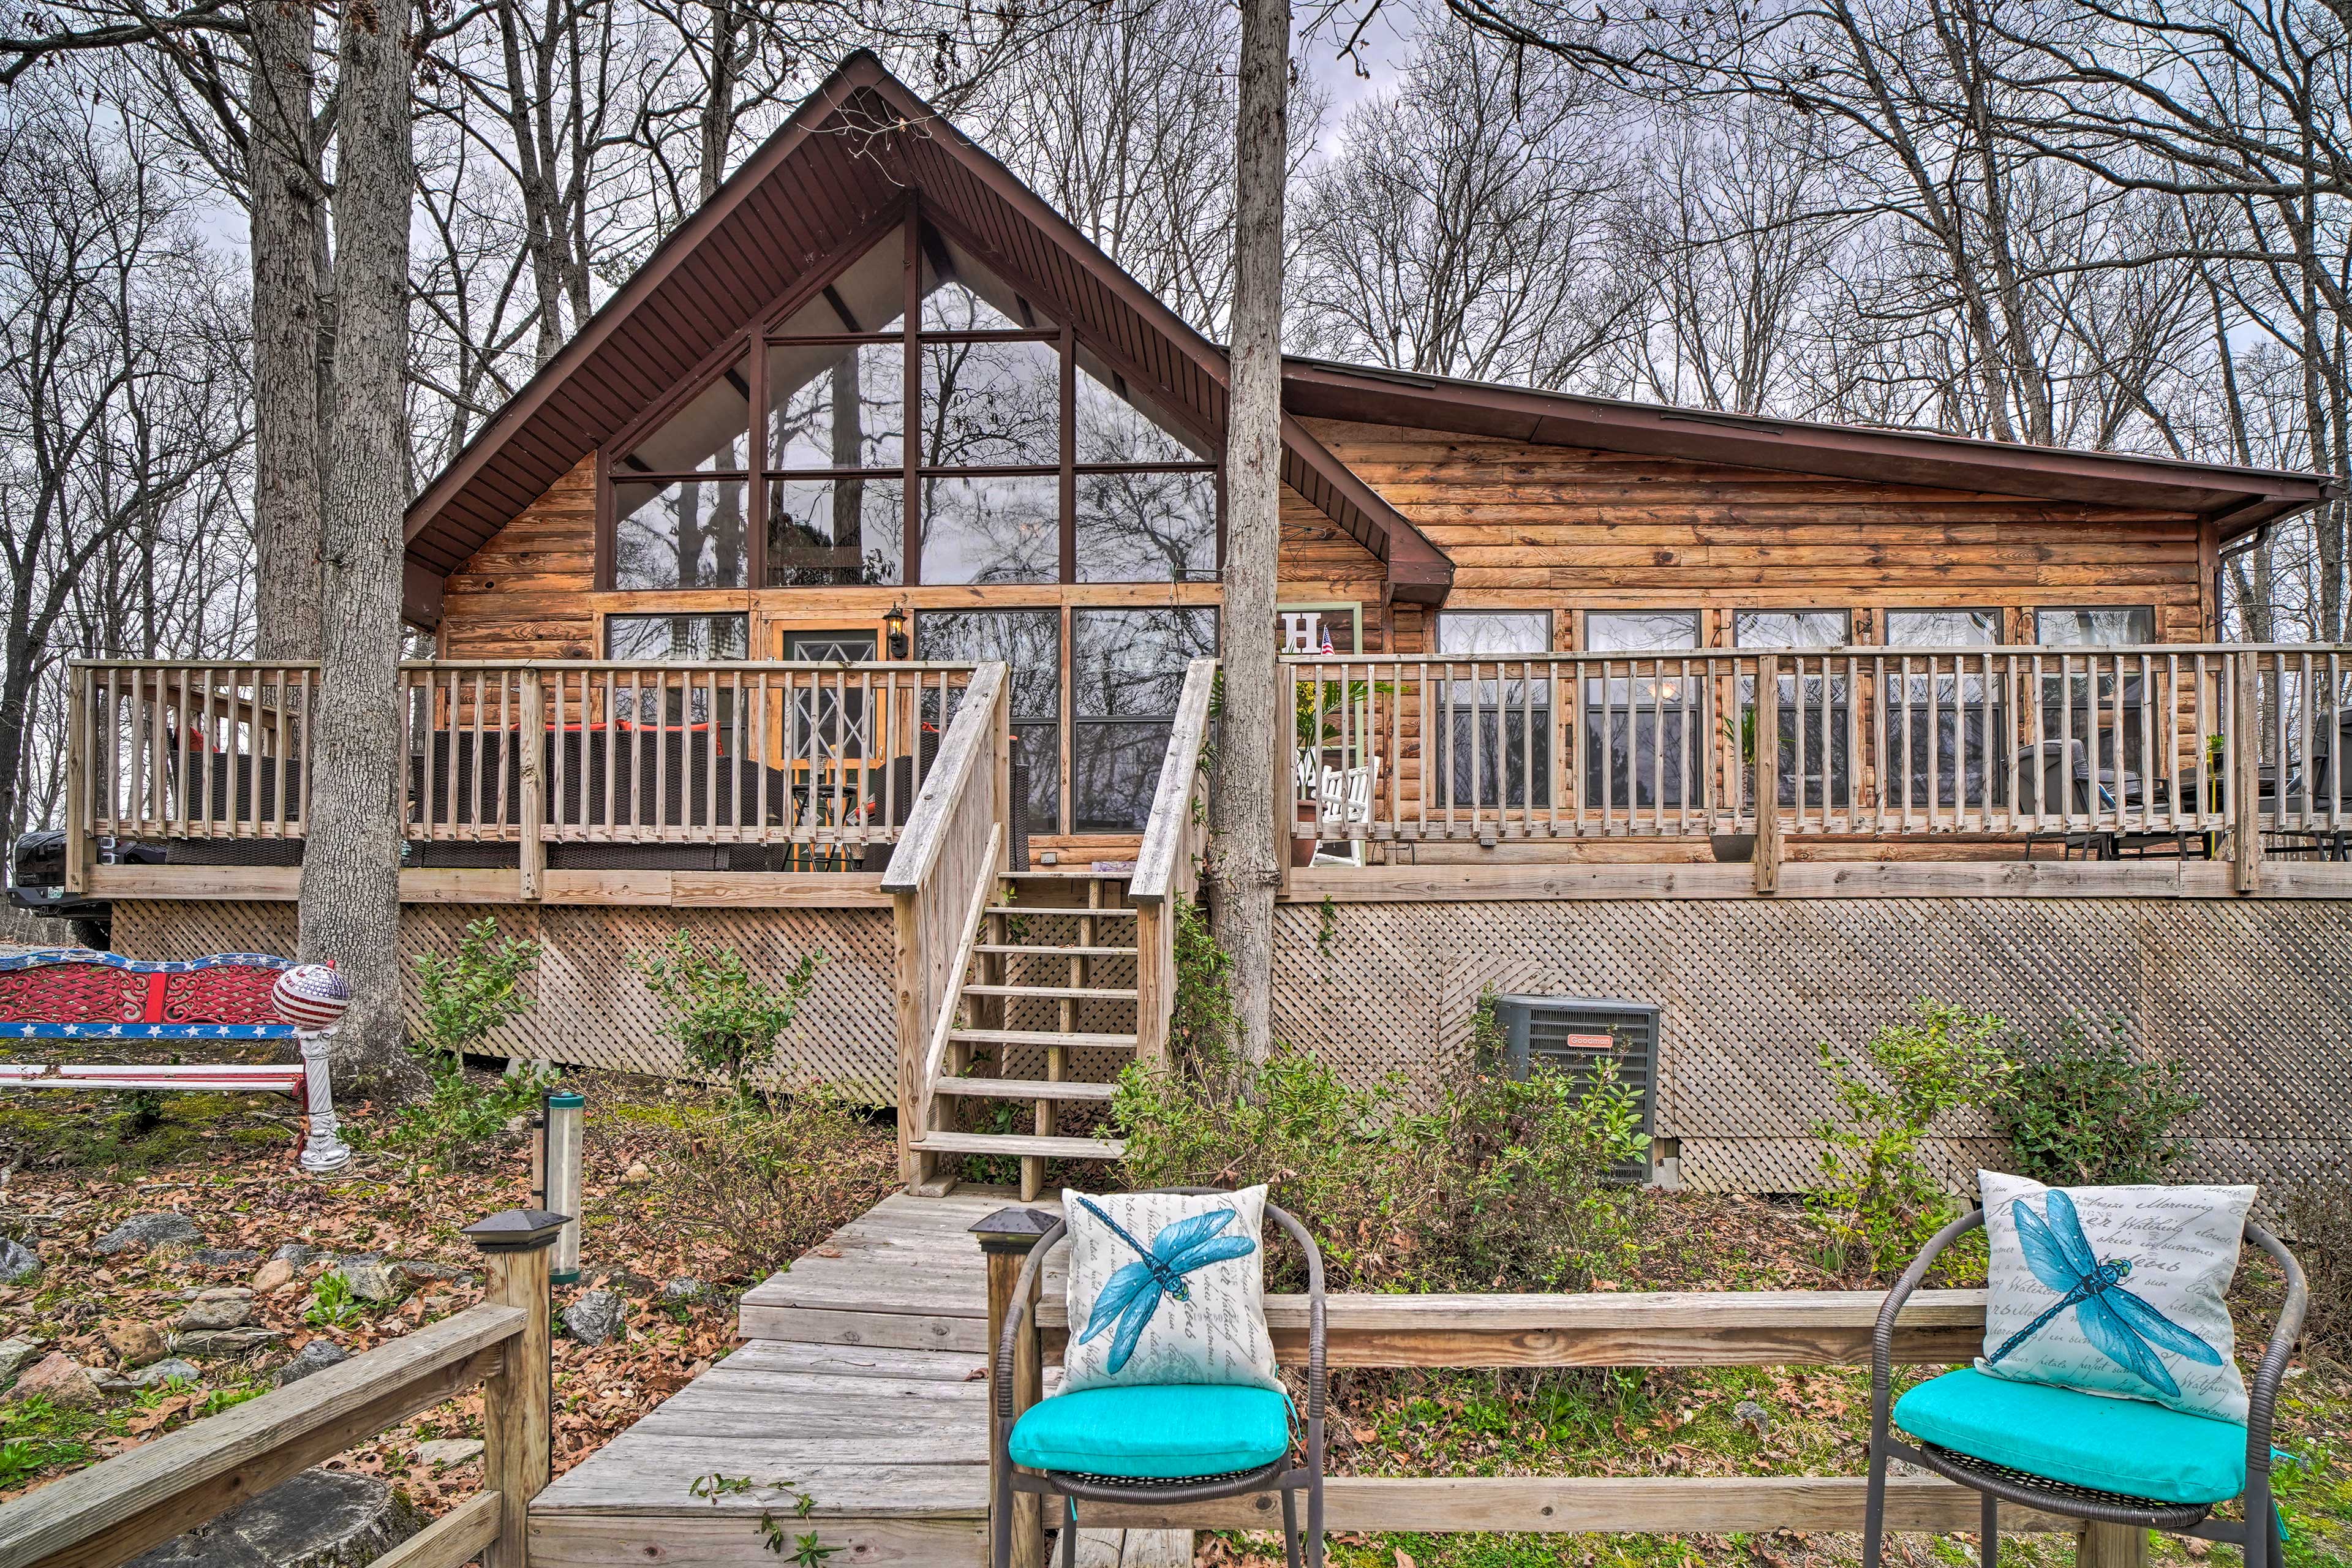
x,y
1008,1237
517,1439
2110,1546
532,853
79,742
1766,854
2246,772
1152,1001
914,1029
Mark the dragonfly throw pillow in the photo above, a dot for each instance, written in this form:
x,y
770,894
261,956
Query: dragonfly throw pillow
x,y
2115,1290
1166,1288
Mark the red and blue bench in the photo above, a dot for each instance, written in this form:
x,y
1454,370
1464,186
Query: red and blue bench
x,y
75,994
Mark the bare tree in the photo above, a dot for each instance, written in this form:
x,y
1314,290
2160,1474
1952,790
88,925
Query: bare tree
x,y
350,855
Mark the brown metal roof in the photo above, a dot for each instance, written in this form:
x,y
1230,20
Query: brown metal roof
x,y
851,153
2238,499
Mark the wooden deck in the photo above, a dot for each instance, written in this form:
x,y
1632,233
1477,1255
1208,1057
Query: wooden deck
x,y
861,1388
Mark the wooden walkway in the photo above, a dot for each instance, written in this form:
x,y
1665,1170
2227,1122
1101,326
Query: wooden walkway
x,y
861,1389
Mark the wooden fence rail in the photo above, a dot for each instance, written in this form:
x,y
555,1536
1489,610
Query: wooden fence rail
x,y
113,1511
2170,739
1167,863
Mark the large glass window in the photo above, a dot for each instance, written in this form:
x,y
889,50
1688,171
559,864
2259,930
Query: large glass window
x,y
1500,725
1640,745
673,639
1815,708
2081,703
1126,673
1948,719
1014,460
1031,642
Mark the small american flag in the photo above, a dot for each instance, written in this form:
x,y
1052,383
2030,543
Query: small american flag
x,y
1326,641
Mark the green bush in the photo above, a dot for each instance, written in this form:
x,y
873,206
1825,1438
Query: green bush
x,y
1500,1185
2087,1112
462,1123
767,1180
464,998
725,1018
1877,1201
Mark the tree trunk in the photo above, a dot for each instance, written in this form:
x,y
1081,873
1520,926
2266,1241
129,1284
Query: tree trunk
x,y
284,212
1244,871
351,866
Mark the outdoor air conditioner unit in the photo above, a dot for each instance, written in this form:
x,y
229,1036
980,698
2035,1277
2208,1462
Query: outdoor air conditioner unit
x,y
1572,1035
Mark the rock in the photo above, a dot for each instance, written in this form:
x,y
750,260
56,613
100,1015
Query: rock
x,y
1753,1417
18,1262
448,1451
319,1519
316,1357
226,1342
218,1309
224,1256
63,1380
638,1173
165,1370
295,1254
598,1316
684,1288
270,1276
15,1352
141,1231
423,1268
134,1342
370,1280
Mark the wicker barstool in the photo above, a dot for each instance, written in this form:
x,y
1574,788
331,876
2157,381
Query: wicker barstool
x,y
1073,1487
1996,1483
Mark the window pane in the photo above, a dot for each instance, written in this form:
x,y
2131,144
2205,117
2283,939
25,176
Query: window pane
x,y
712,433
1942,629
992,529
835,405
1640,631
682,637
1031,642
1147,528
1129,664
972,301
836,533
1790,628
1115,773
1113,429
688,535
990,404
2095,627
1484,633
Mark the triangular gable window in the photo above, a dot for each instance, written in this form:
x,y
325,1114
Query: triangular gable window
x,y
1031,460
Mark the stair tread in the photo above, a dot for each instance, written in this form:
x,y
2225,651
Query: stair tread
x,y
1027,1145
1011,948
1070,912
1078,993
1041,1037
1023,1089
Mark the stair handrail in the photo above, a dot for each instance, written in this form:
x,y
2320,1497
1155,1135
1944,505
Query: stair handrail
x,y
1167,863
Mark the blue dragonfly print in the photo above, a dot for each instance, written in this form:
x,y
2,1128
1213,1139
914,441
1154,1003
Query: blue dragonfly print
x,y
2123,1327
1132,1293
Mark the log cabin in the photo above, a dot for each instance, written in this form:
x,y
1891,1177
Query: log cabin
x,y
851,583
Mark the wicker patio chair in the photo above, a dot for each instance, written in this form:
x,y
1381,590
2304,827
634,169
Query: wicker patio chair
x,y
1997,1482
1073,1487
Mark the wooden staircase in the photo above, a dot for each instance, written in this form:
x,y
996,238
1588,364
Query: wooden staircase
x,y
1044,1016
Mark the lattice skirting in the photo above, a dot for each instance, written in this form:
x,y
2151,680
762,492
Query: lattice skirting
x,y
591,1009
2254,999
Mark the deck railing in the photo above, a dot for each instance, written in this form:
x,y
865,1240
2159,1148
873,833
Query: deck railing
x,y
2170,739
1167,862
826,757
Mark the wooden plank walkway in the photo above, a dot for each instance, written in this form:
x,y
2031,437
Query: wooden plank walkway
x,y
861,1388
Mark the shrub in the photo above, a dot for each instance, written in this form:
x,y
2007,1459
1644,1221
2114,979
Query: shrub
x,y
2318,1214
463,1121
769,1179
1499,1185
727,1020
464,998
1878,1201
1201,1019
2087,1112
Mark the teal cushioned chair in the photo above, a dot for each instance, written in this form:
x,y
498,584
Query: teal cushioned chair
x,y
1158,1443
2087,1456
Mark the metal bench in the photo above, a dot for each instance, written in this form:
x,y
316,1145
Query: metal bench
x,y
74,993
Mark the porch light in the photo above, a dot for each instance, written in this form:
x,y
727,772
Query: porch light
x,y
893,620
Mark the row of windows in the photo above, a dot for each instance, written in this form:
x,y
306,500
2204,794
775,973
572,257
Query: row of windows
x,y
1487,634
